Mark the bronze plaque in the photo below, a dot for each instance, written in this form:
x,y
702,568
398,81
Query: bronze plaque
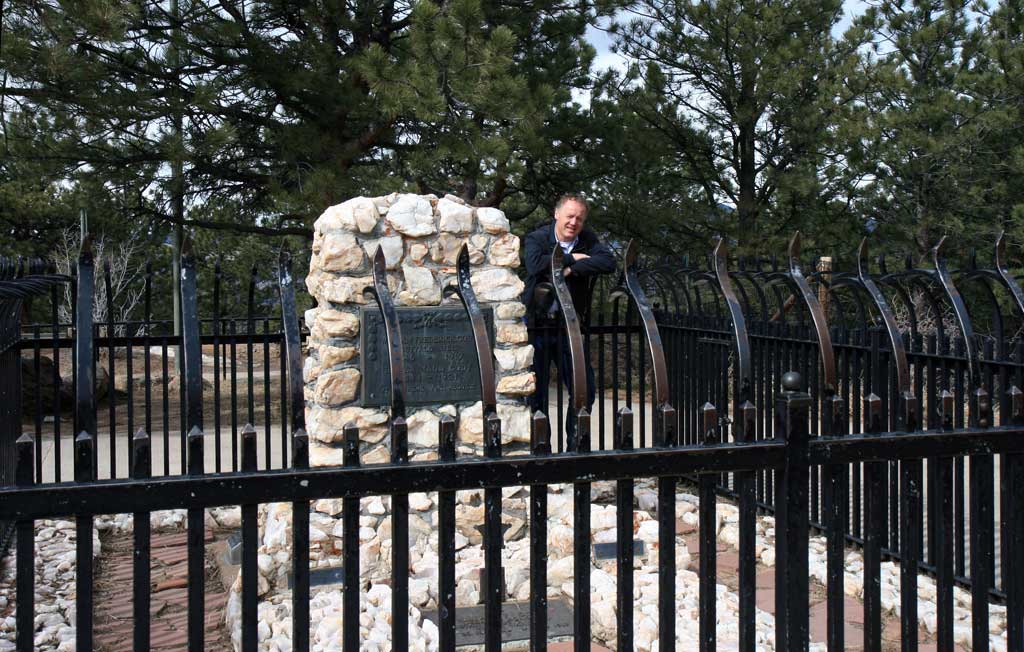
x,y
440,356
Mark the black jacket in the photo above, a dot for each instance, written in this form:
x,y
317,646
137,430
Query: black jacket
x,y
539,244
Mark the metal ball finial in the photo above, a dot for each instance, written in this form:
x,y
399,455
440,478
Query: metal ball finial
x,y
792,381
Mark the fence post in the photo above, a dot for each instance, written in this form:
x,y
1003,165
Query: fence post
x,y
708,546
981,538
944,534
540,444
26,550
85,444
835,481
1013,566
624,536
446,541
791,517
141,470
250,549
350,547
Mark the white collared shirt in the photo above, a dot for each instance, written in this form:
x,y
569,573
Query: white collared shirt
x,y
567,247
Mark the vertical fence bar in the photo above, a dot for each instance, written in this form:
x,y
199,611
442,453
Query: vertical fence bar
x,y
581,542
38,400
250,546
84,472
250,334
147,366
910,529
293,420
446,541
234,394
141,469
300,549
493,539
624,536
708,525
400,542
26,550
791,523
874,519
85,440
1013,566
982,471
217,363
540,444
192,423
350,549
836,505
55,321
944,552
747,535
267,398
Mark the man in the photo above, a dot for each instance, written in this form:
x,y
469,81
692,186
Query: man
x,y
585,257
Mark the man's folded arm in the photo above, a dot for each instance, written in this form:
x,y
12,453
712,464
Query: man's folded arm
x,y
600,261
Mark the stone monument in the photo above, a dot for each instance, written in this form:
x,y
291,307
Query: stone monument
x,y
420,237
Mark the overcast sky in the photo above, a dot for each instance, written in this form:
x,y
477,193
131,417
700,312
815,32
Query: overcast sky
x,y
605,58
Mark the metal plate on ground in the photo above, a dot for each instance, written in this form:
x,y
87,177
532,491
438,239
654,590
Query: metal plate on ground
x,y
322,576
515,622
608,550
439,352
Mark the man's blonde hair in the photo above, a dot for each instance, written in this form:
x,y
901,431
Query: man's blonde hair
x,y
578,197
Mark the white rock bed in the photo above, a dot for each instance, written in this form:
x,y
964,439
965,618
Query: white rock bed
x,y
54,588
853,581
55,583
55,574
375,616
375,613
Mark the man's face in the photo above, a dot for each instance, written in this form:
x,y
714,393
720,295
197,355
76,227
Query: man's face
x,y
569,220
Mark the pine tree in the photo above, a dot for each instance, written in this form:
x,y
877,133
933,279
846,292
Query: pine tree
x,y
748,92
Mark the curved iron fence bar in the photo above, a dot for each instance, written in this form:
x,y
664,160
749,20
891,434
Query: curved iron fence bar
x,y
1009,281
572,329
895,338
696,279
744,297
762,298
744,375
867,320
925,281
960,310
662,281
708,279
776,280
828,358
484,355
765,280
665,269
984,278
292,342
654,344
392,331
901,292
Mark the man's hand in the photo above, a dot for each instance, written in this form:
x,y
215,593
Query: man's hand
x,y
566,271
580,256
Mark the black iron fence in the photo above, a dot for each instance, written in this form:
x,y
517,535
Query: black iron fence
x,y
136,368
846,454
20,280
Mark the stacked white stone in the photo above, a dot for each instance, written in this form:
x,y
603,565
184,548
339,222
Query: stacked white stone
x,y
421,237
